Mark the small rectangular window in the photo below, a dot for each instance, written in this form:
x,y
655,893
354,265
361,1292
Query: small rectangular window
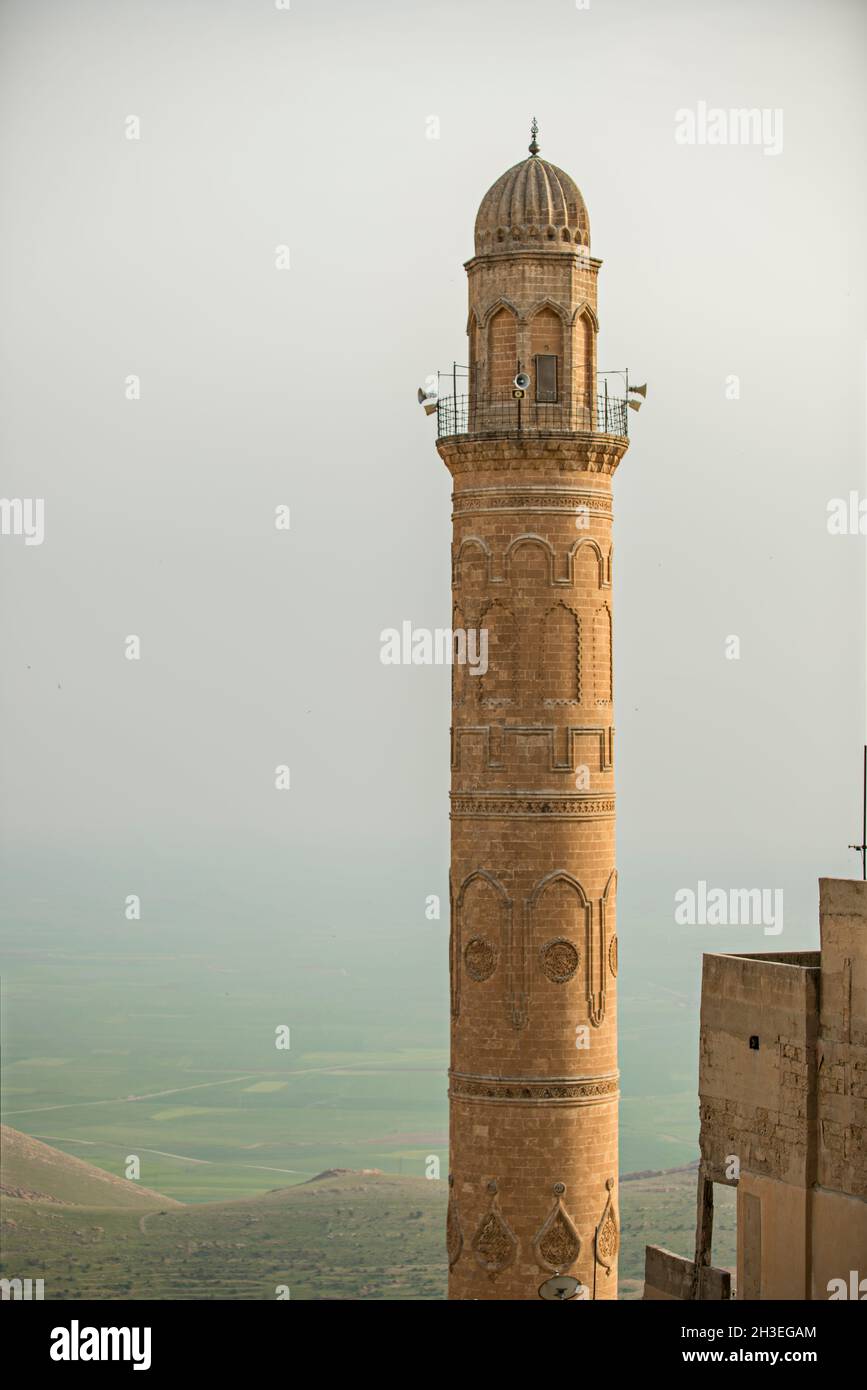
x,y
546,377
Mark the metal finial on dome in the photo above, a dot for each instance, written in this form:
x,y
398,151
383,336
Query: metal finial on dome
x,y
534,131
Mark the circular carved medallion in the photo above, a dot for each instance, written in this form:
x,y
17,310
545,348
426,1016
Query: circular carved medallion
x,y
480,957
612,955
559,959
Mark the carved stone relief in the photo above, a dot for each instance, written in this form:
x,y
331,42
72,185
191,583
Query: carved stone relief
x,y
557,1244
560,959
495,1244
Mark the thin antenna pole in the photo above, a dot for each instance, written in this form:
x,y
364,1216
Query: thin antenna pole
x,y
864,820
519,398
862,848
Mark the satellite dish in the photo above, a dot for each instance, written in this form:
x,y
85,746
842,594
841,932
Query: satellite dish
x,y
522,381
560,1288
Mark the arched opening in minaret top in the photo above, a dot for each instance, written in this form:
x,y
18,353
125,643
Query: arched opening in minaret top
x,y
502,350
546,350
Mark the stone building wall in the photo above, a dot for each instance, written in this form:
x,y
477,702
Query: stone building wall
x,y
842,1058
755,1100
791,1109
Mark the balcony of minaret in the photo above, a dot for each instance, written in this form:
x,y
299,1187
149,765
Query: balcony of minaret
x,y
563,394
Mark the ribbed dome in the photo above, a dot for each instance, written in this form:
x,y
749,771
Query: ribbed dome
x,y
534,206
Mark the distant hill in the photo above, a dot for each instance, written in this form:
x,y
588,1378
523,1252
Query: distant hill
x,y
34,1172
343,1235
349,1236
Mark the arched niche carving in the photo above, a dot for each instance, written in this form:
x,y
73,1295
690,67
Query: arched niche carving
x,y
552,306
576,559
584,330
465,686
502,349
531,542
482,945
476,343
561,655
603,959
558,918
603,675
498,682
472,564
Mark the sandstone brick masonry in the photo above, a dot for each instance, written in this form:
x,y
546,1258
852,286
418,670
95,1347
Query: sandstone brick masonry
x,y
533,1139
783,1091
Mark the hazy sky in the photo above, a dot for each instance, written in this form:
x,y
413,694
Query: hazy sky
x,y
307,128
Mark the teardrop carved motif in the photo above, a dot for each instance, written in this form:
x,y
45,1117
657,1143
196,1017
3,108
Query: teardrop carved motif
x,y
557,1244
495,1244
607,1233
454,1230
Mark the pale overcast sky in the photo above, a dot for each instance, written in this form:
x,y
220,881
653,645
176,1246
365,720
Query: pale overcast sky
x,y
308,128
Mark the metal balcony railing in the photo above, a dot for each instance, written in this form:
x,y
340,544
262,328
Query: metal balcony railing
x,y
504,415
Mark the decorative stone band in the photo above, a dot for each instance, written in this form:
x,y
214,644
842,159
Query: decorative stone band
x,y
578,452
562,745
472,501
531,806
523,1090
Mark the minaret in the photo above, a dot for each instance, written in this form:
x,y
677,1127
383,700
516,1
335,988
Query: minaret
x,y
533,1080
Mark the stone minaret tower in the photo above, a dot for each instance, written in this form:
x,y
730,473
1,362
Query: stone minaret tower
x,y
533,1080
